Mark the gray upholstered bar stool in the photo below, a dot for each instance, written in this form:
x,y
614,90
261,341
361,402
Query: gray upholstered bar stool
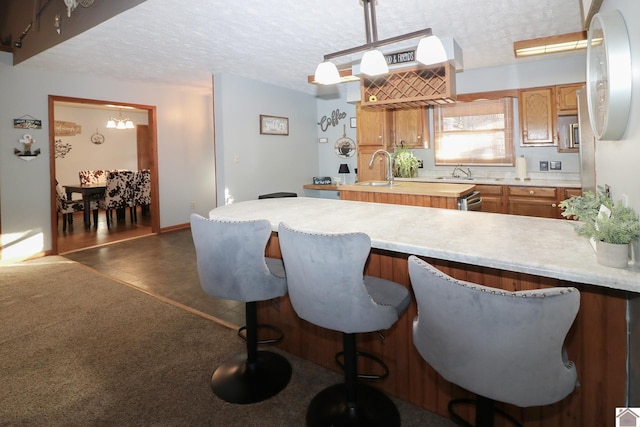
x,y
503,346
232,265
327,287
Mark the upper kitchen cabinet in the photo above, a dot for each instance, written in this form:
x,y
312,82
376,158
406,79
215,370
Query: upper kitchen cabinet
x,y
567,101
373,127
537,116
410,128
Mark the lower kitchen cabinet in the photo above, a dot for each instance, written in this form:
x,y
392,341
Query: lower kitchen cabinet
x,y
492,196
540,202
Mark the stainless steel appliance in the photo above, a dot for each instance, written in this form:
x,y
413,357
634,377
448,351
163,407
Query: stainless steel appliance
x,y
470,202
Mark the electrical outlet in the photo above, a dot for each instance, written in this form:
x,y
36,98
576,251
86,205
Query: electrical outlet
x,y
420,164
555,165
544,166
236,158
193,205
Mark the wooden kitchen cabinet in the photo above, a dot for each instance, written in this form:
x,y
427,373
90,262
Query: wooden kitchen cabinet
x,y
525,200
409,128
537,112
492,196
569,192
567,101
374,128
377,171
534,201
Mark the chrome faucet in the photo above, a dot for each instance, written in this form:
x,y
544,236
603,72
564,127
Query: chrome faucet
x,y
389,165
467,173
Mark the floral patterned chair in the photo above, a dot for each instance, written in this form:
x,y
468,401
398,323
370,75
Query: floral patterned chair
x,y
119,193
92,177
68,207
142,191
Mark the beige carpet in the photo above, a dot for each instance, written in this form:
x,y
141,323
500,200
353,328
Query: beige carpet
x,y
80,349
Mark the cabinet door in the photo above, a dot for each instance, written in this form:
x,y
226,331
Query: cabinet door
x,y
491,198
410,128
377,171
373,129
534,201
536,116
567,99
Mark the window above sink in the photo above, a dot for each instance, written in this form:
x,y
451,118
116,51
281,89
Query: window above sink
x,y
475,133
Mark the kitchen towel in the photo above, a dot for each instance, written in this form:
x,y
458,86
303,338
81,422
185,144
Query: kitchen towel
x,y
521,168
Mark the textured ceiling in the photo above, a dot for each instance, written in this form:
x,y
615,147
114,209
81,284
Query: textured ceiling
x,y
282,41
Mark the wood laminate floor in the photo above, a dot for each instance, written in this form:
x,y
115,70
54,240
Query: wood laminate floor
x,y
163,264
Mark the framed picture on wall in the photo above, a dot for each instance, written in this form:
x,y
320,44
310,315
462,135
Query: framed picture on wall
x,y
272,125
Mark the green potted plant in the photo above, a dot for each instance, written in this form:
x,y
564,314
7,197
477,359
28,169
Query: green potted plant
x,y
405,163
610,224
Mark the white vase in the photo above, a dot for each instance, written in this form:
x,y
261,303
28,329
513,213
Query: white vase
x,y
612,254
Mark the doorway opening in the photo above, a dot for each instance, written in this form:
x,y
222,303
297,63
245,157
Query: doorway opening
x,y
97,147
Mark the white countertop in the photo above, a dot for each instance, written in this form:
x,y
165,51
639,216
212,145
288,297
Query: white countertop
x,y
539,246
533,182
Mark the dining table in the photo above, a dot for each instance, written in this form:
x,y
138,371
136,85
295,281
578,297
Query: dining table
x,y
89,192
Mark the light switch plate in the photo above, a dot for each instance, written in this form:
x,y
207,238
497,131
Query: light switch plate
x,y
555,165
544,166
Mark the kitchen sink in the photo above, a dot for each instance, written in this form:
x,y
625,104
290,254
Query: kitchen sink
x,y
454,178
379,183
472,178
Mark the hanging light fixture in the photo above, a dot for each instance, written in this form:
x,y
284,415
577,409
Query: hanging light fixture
x,y
120,123
430,50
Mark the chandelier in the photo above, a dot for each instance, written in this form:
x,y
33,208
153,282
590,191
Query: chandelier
x,y
120,123
430,50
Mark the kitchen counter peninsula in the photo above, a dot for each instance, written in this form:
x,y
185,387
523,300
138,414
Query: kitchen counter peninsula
x,y
504,251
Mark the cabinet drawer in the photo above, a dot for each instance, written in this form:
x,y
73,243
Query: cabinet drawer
x,y
533,191
495,190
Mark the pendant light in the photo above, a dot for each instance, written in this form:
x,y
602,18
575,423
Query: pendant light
x,y
430,50
120,123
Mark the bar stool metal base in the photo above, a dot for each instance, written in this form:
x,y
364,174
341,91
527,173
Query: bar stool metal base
x,y
237,381
371,408
485,411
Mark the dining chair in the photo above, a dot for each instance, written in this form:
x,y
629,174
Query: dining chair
x,y
118,193
68,207
142,192
88,177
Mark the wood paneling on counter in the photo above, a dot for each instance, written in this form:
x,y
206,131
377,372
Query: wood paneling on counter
x,y
596,343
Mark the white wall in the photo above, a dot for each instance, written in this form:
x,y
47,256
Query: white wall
x,y
616,161
250,164
185,148
119,150
333,130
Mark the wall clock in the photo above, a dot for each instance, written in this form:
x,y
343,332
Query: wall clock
x,y
97,138
608,75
